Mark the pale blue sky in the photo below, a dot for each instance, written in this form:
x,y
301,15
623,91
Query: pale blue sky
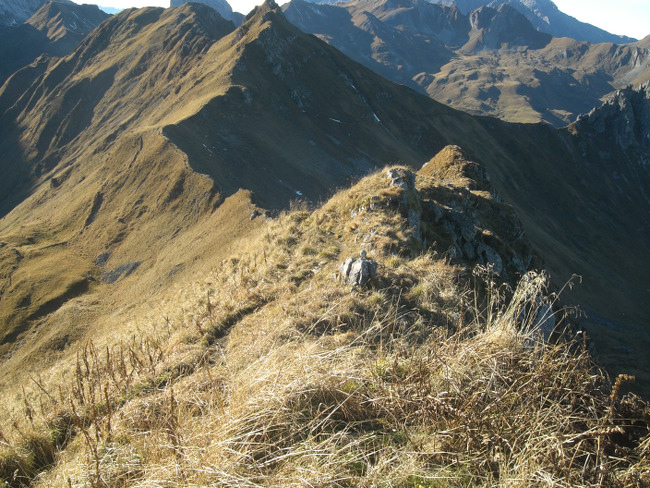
x,y
627,17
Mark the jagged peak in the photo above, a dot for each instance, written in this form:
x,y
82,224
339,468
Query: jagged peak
x,y
262,10
502,25
625,116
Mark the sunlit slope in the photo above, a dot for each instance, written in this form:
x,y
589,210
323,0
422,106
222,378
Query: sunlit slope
x,y
121,157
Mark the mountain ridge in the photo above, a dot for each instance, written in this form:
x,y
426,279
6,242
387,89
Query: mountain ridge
x,y
54,30
546,17
173,304
15,12
537,78
212,104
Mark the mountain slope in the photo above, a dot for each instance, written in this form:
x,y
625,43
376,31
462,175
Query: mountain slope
x,y
131,153
15,12
488,62
268,371
101,180
54,30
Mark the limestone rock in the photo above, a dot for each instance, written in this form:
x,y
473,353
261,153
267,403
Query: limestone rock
x,y
358,271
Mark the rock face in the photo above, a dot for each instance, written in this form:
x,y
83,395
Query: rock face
x,y
358,271
410,203
493,28
624,116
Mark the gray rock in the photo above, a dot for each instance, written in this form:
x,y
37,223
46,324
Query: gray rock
x,y
469,251
455,252
401,178
411,204
102,259
121,271
415,223
490,256
357,271
518,264
465,225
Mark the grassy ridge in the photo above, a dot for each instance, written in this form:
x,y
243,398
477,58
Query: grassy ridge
x,y
270,372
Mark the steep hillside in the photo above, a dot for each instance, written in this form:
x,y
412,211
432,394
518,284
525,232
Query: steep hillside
x,y
115,186
488,62
15,12
270,370
139,159
54,30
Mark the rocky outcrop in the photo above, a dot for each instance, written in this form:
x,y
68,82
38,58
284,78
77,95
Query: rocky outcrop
x,y
625,116
467,244
410,203
358,271
477,227
494,28
545,17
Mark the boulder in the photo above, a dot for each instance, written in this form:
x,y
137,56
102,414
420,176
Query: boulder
x,y
357,271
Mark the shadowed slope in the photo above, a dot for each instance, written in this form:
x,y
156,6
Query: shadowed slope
x,y
54,30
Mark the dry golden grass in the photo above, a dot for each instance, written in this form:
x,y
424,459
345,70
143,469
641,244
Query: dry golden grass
x,y
269,372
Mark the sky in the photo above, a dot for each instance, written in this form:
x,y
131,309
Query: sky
x,y
626,17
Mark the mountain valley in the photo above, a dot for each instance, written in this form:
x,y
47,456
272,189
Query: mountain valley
x,y
490,61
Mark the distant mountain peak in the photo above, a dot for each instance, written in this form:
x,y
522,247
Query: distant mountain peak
x,y
494,27
545,17
221,6
14,12
625,116
54,30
